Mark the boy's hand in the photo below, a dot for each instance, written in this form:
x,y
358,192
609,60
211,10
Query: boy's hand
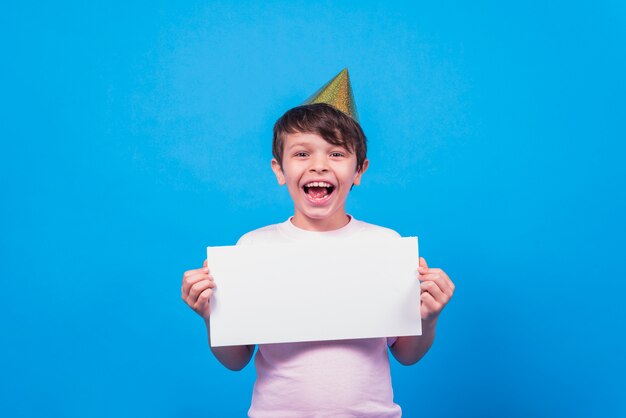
x,y
197,289
437,289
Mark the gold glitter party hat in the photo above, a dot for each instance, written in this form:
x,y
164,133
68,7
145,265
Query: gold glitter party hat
x,y
338,93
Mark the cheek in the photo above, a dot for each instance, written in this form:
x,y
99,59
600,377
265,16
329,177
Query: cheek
x,y
349,176
291,181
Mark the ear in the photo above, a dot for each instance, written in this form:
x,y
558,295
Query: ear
x,y
278,172
359,174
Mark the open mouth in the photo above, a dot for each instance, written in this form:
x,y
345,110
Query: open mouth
x,y
318,190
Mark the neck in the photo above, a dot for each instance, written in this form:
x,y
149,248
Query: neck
x,y
320,225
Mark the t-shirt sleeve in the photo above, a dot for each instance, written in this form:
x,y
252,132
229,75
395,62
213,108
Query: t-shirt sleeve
x,y
244,240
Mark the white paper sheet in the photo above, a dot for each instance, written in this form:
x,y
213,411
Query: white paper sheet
x,y
313,292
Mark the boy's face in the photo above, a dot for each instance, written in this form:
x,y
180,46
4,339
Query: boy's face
x,y
319,176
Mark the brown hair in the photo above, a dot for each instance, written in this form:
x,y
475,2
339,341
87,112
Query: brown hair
x,y
322,119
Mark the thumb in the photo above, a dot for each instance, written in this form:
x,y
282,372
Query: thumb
x,y
205,263
423,262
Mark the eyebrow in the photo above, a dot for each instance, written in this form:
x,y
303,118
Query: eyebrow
x,y
299,144
307,144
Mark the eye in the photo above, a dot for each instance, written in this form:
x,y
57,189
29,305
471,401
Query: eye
x,y
300,154
337,154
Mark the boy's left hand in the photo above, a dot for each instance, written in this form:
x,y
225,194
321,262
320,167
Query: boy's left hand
x,y
437,289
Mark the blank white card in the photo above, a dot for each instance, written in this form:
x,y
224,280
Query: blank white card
x,y
314,291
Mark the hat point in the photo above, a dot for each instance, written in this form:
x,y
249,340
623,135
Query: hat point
x,y
337,93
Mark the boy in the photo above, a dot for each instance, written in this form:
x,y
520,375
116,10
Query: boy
x,y
320,154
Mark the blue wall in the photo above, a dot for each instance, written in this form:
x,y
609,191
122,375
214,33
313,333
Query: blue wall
x,y
135,135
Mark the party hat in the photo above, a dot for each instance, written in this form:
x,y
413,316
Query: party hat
x,y
338,93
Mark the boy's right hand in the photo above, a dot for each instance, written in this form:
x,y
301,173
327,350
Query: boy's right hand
x,y
197,289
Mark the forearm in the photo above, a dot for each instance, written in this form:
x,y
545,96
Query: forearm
x,y
409,350
234,357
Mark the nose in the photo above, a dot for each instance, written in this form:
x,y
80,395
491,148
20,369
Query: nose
x,y
318,164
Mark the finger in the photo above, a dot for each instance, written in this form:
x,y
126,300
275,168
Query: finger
x,y
193,272
435,277
205,263
445,278
439,279
204,269
435,291
429,305
192,280
198,288
203,298
423,262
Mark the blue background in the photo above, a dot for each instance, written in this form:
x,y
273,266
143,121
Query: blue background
x,y
134,135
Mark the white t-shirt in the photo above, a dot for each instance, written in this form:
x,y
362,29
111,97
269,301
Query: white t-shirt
x,y
343,378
